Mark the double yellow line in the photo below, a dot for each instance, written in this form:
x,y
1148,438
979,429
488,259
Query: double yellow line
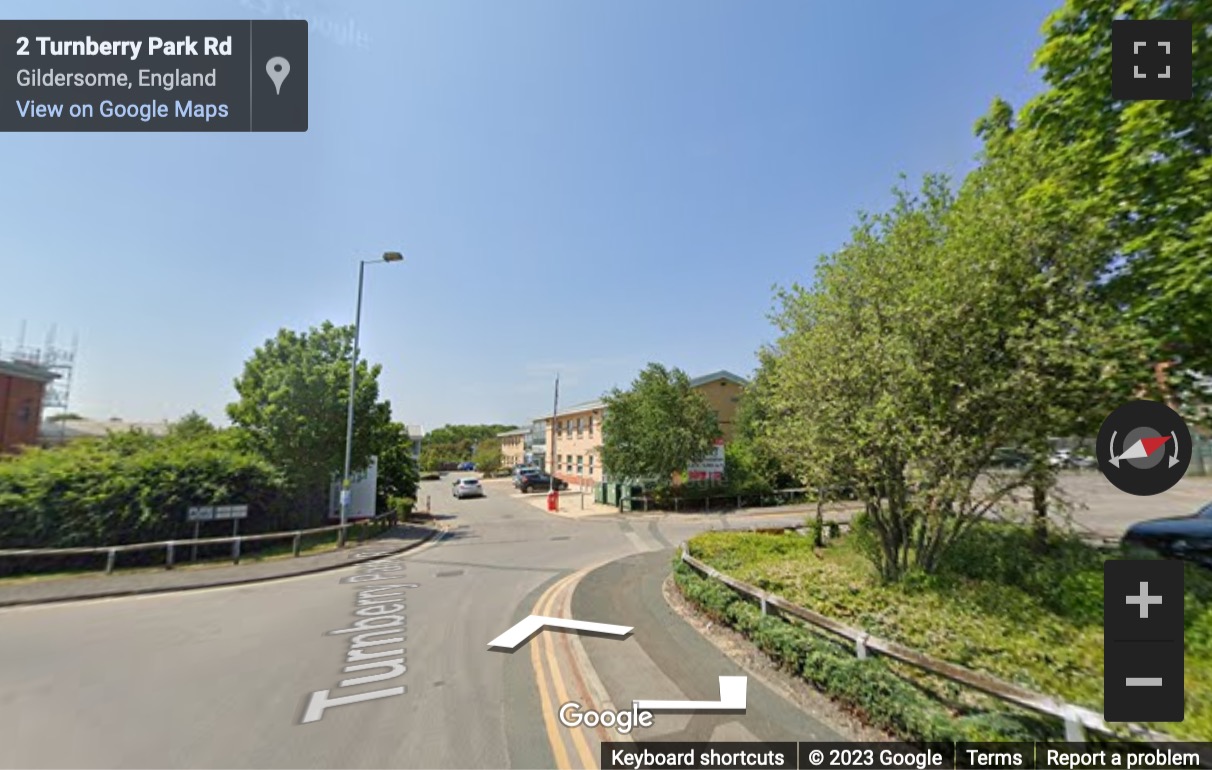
x,y
543,658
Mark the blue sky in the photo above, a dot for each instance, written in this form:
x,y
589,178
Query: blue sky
x,y
576,186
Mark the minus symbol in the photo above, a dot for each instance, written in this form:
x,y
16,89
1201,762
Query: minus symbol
x,y
1144,681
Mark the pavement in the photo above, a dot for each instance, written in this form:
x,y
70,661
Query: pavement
x,y
58,589
223,677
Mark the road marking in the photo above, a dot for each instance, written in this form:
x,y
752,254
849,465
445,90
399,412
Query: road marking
x,y
578,739
559,752
521,631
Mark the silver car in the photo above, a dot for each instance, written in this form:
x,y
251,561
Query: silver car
x,y
467,488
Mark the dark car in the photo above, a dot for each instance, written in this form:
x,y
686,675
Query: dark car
x,y
539,482
1008,457
1176,537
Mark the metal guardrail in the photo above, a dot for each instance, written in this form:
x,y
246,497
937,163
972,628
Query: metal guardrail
x,y
629,502
1077,719
170,546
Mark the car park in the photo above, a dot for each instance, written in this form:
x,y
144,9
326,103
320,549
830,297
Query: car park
x,y
467,488
1175,537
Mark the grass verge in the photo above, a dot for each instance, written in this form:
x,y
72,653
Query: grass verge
x,y
995,606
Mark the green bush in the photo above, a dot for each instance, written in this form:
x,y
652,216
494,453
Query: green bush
x,y
870,688
1028,616
130,488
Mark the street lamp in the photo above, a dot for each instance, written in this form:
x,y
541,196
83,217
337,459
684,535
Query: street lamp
x,y
388,256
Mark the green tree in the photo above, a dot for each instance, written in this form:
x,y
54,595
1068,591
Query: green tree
x,y
467,435
292,406
398,472
1146,165
192,425
487,456
657,428
948,326
436,456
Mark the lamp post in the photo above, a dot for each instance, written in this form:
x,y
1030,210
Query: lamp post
x,y
388,256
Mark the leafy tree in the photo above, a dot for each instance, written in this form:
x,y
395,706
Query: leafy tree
x,y
398,472
293,400
1146,166
658,427
948,326
439,456
468,435
750,459
487,456
192,425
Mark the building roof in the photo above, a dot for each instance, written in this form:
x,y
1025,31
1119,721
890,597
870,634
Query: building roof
x,y
27,371
514,432
588,406
722,374
581,408
73,429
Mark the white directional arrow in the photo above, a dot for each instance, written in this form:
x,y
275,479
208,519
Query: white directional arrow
x,y
732,698
1174,457
524,629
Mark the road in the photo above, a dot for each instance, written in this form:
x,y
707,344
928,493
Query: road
x,y
222,677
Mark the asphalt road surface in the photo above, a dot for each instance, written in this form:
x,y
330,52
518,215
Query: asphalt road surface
x,y
224,677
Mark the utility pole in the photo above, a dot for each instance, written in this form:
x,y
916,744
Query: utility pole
x,y
555,409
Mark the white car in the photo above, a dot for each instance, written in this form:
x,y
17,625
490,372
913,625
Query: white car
x,y
467,488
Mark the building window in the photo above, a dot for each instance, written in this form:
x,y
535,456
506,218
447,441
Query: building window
x,y
591,426
590,465
580,465
579,427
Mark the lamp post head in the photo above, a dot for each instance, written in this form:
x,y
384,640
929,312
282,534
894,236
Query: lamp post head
x,y
393,256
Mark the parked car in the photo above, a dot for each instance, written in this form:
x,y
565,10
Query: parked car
x,y
518,470
1061,458
1008,457
1176,537
467,488
466,466
540,482
524,473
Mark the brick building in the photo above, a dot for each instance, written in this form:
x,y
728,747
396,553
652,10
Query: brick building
x,y
577,430
22,391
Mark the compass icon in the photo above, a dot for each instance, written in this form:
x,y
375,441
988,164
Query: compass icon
x,y
1144,448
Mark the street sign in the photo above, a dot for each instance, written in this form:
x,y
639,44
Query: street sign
x,y
231,511
200,513
216,512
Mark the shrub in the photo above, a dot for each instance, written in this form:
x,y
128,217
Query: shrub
x,y
870,687
129,488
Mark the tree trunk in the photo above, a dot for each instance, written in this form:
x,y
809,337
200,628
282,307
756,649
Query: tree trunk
x,y
820,518
1039,499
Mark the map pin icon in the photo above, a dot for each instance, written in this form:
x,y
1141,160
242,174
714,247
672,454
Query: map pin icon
x,y
277,68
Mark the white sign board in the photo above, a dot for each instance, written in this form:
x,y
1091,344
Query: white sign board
x,y
363,489
709,468
215,512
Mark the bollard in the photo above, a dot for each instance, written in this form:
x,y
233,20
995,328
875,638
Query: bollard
x,y
860,647
235,551
168,556
763,598
298,544
109,561
427,508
